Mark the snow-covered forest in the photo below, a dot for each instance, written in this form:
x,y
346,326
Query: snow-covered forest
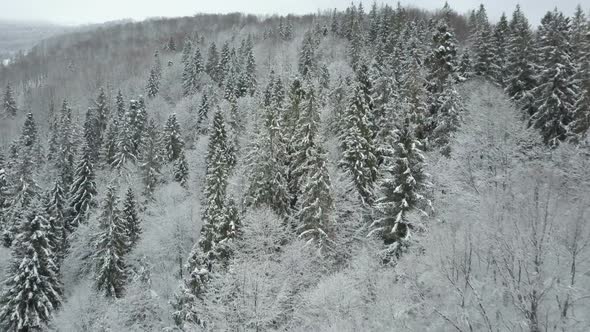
x,y
373,169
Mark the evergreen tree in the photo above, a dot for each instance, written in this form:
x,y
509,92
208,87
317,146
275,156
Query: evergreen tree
x,y
358,150
130,219
500,50
556,96
151,159
32,290
224,64
483,47
153,84
56,210
217,171
317,203
442,62
203,110
580,28
92,133
111,246
171,45
109,149
8,102
187,52
82,191
578,128
307,59
65,161
181,171
212,61
521,78
173,143
102,111
401,187
120,104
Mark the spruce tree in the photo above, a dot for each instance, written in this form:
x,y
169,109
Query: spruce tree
x,y
120,104
103,111
181,171
82,191
56,210
556,95
151,159
317,204
153,84
111,245
65,161
203,112
442,62
307,59
483,64
8,102
130,218
92,134
224,64
520,80
173,142
401,187
187,52
217,171
212,61
500,50
358,150
188,78
32,290
580,124
109,150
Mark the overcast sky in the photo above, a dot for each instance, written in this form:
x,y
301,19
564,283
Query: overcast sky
x,y
96,11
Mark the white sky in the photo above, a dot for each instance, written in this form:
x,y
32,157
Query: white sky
x,y
96,11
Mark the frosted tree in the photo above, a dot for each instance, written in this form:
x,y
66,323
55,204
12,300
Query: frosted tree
x,y
120,105
401,187
224,65
520,64
103,111
267,176
483,47
65,160
8,102
173,142
109,149
442,62
500,50
82,191
153,85
151,159
358,150
307,58
32,290
92,134
212,61
111,245
217,170
317,204
203,112
556,95
187,51
580,124
181,171
56,206
130,219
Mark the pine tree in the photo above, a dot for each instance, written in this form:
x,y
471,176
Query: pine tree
x,y
109,149
187,52
153,84
173,143
181,171
483,64
92,133
32,290
442,62
171,46
151,159
130,219
447,119
358,150
56,210
500,50
103,111
8,102
111,246
307,58
65,161
520,80
203,110
120,104
401,187
317,203
268,175
217,171
126,135
189,76
556,96
82,191
212,61
580,124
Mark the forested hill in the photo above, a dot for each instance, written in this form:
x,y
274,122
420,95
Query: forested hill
x,y
372,169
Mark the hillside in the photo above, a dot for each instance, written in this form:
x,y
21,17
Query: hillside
x,y
392,169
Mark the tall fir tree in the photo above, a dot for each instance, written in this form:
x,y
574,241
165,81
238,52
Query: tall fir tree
x,y
82,191
111,246
8,102
56,208
173,142
151,159
32,290
130,219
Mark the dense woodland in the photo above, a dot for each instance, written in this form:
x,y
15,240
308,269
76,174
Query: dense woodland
x,y
372,169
